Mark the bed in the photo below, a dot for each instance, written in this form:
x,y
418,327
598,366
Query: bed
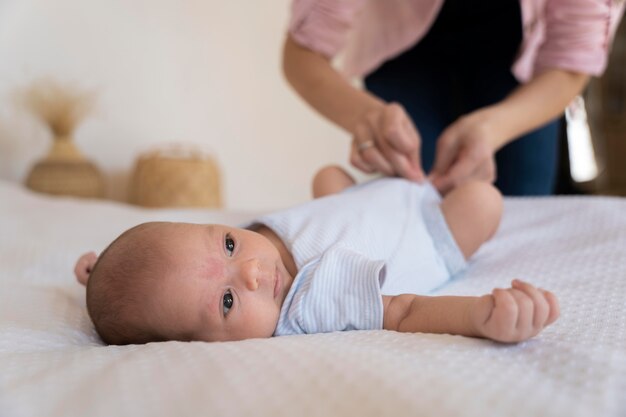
x,y
53,364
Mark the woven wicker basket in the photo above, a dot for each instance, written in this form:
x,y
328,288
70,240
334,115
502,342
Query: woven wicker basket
x,y
176,177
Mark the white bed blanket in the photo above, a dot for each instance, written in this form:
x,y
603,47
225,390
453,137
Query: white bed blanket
x,y
53,364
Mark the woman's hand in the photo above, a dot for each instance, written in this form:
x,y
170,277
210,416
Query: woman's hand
x,y
514,314
465,151
384,140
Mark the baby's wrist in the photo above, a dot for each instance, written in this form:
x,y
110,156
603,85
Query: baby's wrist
x,y
479,312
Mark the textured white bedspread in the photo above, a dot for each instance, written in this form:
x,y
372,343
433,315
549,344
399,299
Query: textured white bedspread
x,y
52,363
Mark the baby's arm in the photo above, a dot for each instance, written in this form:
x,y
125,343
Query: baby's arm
x,y
506,315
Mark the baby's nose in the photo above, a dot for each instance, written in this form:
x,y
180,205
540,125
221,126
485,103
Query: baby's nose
x,y
249,273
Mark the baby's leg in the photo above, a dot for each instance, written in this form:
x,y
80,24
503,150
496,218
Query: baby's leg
x,y
330,180
472,211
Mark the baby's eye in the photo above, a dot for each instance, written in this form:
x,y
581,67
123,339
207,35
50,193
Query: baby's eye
x,y
227,302
229,244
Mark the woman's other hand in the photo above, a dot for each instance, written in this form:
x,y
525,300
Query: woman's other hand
x,y
384,140
465,151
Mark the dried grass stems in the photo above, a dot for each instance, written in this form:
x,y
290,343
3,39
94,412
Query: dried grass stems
x,y
64,171
59,106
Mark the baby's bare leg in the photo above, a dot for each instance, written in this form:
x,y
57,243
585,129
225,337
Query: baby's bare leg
x,y
331,179
473,212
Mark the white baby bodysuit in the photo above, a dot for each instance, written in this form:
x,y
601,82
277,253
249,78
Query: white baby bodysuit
x,y
386,236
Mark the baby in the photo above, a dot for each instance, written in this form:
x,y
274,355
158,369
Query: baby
x,y
359,258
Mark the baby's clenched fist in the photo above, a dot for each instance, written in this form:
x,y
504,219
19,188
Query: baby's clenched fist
x,y
514,314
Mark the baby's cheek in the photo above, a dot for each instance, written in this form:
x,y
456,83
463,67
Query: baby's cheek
x,y
261,323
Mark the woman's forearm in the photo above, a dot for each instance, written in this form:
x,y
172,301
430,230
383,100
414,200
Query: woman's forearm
x,y
320,85
535,103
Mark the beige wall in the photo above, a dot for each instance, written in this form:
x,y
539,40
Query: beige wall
x,y
205,72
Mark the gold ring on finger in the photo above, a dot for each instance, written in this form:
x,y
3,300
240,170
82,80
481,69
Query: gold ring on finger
x,y
365,145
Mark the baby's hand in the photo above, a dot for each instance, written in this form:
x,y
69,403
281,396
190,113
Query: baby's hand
x,y
84,266
514,314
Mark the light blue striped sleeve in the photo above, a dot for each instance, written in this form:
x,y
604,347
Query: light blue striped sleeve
x,y
340,291
441,234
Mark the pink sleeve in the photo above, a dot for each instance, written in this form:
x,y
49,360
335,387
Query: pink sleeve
x,y
322,25
578,35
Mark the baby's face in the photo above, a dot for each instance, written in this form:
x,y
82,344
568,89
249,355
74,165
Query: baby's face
x,y
220,283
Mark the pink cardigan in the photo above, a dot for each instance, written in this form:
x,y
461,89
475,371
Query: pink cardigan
x,y
573,35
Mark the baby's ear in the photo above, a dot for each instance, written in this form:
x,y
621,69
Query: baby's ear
x,y
84,266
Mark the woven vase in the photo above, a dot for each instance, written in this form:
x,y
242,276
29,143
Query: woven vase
x,y
176,177
64,171
61,107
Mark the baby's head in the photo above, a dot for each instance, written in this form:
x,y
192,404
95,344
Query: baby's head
x,y
180,281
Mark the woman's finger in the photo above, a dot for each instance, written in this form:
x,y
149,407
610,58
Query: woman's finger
x,y
362,136
357,160
486,171
460,170
400,163
415,160
374,155
446,151
366,152
374,158
399,142
393,125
